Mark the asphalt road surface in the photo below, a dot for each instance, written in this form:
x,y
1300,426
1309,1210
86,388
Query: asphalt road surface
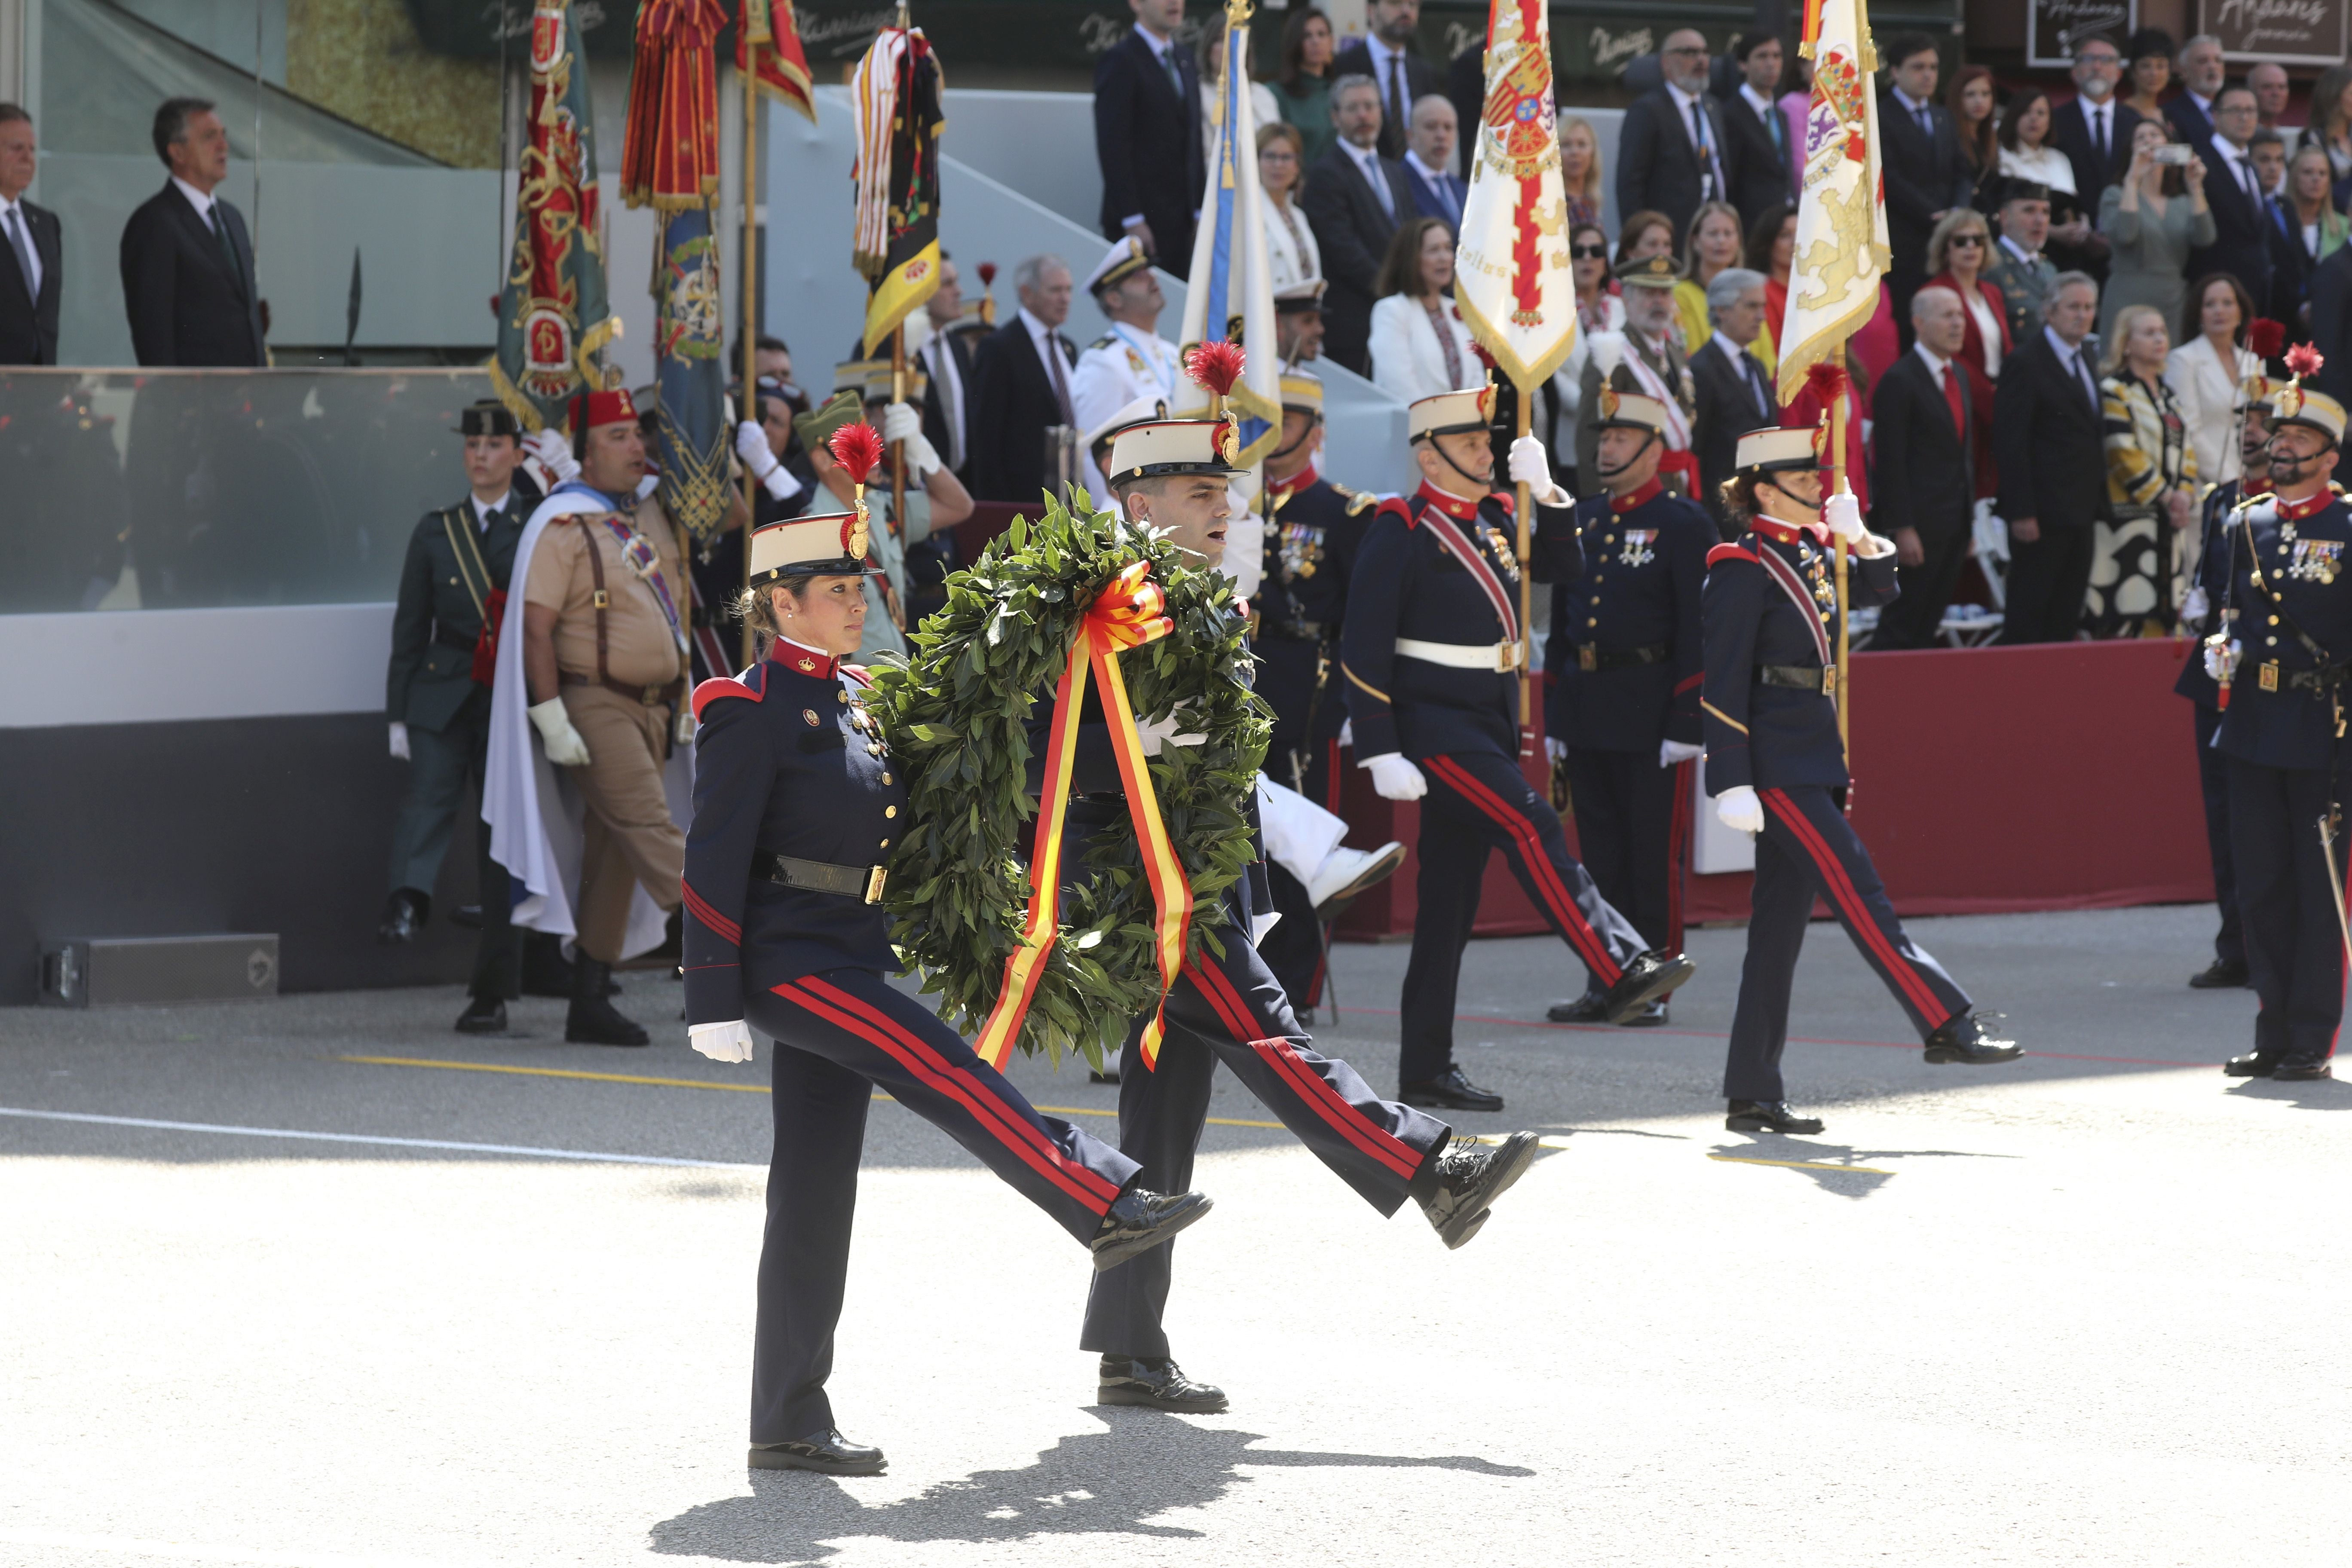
x,y
2077,1310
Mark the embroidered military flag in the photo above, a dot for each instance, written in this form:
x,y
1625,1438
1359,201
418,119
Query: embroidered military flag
x,y
1511,276
1841,249
767,50
895,244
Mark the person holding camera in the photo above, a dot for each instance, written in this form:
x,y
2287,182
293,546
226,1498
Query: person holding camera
x,y
2154,216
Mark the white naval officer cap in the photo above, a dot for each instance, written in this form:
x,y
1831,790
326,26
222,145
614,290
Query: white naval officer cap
x,y
1125,259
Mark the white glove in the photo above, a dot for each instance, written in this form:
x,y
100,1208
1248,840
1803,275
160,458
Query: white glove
x,y
721,1042
1395,778
648,485
2197,605
1672,751
1554,748
2222,663
902,422
1843,516
1739,809
565,749
1163,732
751,447
1528,466
1347,734
400,742
553,453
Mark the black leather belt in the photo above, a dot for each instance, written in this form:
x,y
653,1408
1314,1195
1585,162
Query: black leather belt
x,y
1799,677
2270,677
863,883
451,636
1295,631
1592,657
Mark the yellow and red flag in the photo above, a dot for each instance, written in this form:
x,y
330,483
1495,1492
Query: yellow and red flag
x,y
1511,278
895,241
1841,250
768,51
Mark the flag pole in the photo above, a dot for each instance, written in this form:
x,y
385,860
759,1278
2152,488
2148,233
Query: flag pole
x,y
899,386
1838,482
748,79
1527,592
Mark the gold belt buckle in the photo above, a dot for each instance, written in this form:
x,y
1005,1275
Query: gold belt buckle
x,y
651,696
1586,659
1829,680
874,878
2270,679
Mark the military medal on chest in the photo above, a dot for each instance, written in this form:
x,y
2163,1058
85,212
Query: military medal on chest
x,y
1499,549
2315,560
1636,550
1302,550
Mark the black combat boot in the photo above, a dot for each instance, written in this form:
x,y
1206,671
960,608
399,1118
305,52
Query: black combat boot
x,y
593,1020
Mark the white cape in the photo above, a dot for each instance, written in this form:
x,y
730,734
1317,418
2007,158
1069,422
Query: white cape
x,y
533,810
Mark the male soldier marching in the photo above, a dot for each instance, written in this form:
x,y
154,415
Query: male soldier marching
x,y
1622,716
438,693
605,660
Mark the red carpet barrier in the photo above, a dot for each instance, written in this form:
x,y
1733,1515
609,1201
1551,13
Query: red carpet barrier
x,y
1989,780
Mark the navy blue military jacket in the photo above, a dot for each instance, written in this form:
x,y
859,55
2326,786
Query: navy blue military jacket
x,y
1776,737
2291,559
1645,557
1311,545
787,760
2213,576
1408,584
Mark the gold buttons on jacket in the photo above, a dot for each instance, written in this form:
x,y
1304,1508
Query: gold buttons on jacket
x,y
840,696
886,778
889,811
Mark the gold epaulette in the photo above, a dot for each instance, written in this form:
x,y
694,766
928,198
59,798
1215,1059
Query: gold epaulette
x,y
2242,502
1358,501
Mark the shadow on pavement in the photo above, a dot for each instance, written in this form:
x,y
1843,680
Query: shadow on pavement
x,y
2318,1094
1822,1161
1143,1464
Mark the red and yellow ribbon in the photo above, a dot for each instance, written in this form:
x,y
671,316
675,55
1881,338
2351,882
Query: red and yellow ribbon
x,y
1128,614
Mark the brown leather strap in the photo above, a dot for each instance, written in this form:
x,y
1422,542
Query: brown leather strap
x,y
596,572
650,696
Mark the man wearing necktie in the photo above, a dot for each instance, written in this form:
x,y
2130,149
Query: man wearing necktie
x,y
1727,385
1669,147
187,260
32,264
1923,445
1926,173
1148,139
437,696
2094,129
2050,448
1437,191
1385,53
2241,243
1756,132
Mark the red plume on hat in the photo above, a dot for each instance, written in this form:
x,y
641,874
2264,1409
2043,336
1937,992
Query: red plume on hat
x,y
1826,380
1214,367
2304,360
2265,338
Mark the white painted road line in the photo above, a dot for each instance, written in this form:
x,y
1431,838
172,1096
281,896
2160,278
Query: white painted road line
x,y
385,1142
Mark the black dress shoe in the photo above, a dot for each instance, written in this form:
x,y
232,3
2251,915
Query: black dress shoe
x,y
1592,1008
1768,1116
2253,1064
593,1020
827,1452
1650,975
469,916
483,1015
1470,1176
1450,1091
1972,1038
2302,1072
404,914
1141,1221
1652,1015
1158,1384
2219,976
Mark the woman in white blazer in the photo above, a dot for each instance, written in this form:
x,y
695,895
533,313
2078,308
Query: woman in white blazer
x,y
2206,372
1420,347
1291,256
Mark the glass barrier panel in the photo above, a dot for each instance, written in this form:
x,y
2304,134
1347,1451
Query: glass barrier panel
x,y
127,489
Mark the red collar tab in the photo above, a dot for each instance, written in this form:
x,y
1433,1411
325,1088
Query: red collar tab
x,y
1643,497
1462,509
804,661
2296,511
1295,482
1781,532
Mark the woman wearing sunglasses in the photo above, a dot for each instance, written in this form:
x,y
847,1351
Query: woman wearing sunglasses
x,y
1958,252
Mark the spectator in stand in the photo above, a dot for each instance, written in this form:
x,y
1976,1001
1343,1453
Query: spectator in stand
x,y
1437,191
1420,347
2331,323
2147,62
32,261
1580,169
2203,74
1148,135
2268,150
1303,90
1354,200
1291,256
2156,218
1021,385
1713,244
1642,235
2308,229
2136,551
946,361
1969,101
1772,250
2092,129
2018,269
1597,310
1756,134
2208,372
1924,173
1210,56
2048,435
1923,440
187,260
2242,227
2271,89
2330,126
2027,153
1731,393
1957,254
1671,145
1400,76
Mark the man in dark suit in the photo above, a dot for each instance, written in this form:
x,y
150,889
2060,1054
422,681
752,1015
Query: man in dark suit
x,y
2094,129
187,260
1672,147
1926,173
2331,323
2049,446
2233,190
32,260
1437,191
1756,131
945,360
1733,394
1354,199
1402,78
1148,136
1021,385
2193,114
1923,465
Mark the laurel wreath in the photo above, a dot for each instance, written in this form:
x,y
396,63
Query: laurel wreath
x,y
957,714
